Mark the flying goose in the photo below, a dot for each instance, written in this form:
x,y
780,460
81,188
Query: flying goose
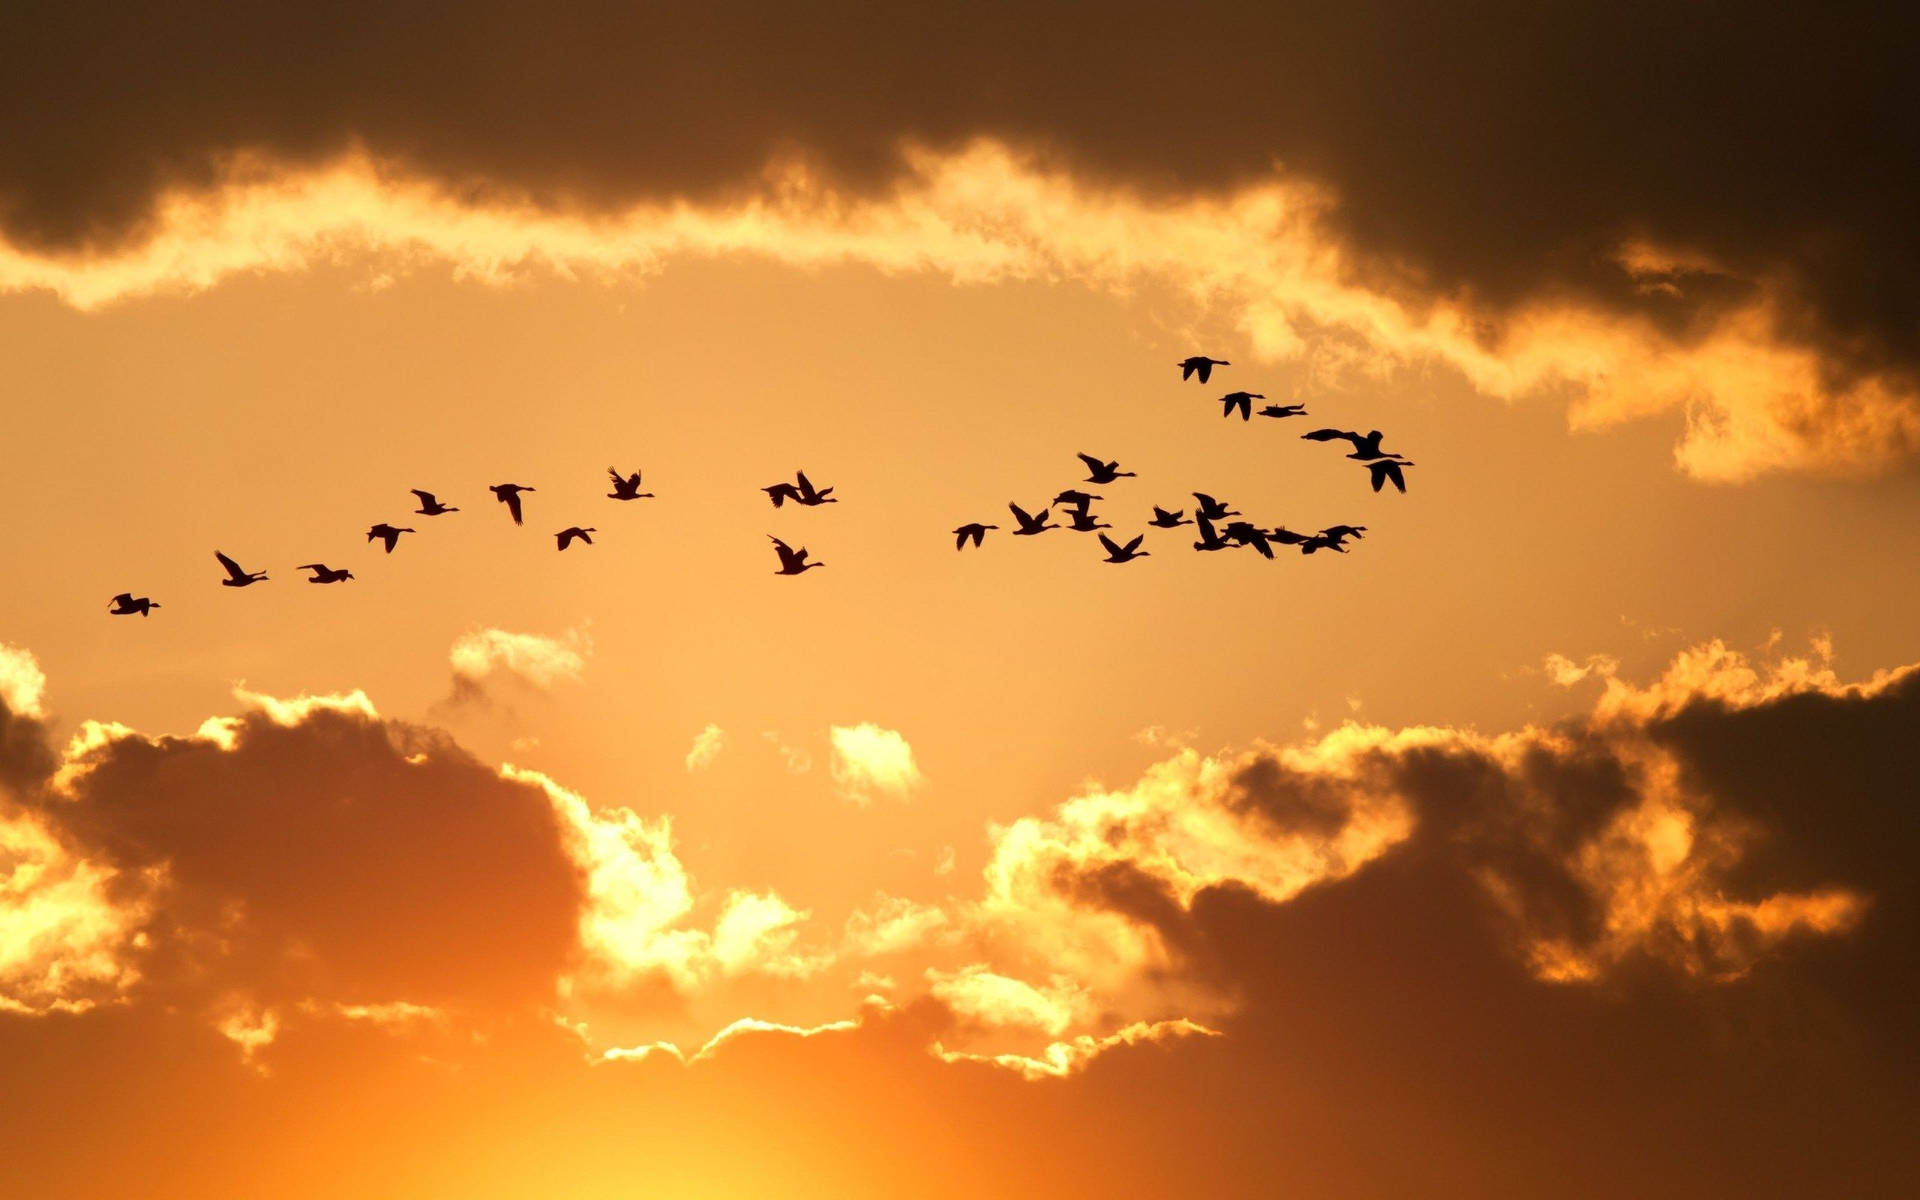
x,y
509,495
388,534
1388,468
1364,448
235,576
1212,509
1209,540
1240,400
125,605
1245,533
792,562
1200,365
1162,519
1284,410
1103,472
566,536
430,507
807,495
1117,553
322,573
627,487
1084,522
974,530
1030,524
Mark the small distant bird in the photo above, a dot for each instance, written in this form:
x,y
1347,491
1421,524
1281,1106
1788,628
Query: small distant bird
x,y
1078,499
125,605
1209,540
1285,536
1240,400
1340,533
807,495
1084,522
1162,519
1364,448
509,495
1386,469
792,562
235,576
1117,553
1246,534
1103,472
1200,365
1320,541
1284,410
430,507
974,530
388,534
627,487
780,492
322,573
1030,524
566,536
1212,509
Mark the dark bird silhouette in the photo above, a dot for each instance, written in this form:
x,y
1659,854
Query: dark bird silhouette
x,y
792,562
1212,509
1321,541
1084,522
322,573
1117,553
1285,536
1240,400
1200,365
1284,410
1162,519
388,534
1246,534
1103,472
125,605
807,495
1030,524
1340,533
1386,469
235,576
780,492
566,536
1078,499
1209,540
974,530
509,495
627,487
430,507
1364,448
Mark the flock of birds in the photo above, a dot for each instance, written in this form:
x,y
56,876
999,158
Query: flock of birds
x,y
1210,516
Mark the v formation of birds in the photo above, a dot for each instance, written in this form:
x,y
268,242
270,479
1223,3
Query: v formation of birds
x,y
1210,517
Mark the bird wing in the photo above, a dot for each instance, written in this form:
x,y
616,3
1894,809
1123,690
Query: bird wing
x,y
233,568
124,598
1206,371
513,505
1393,473
1113,547
1093,464
1132,545
426,498
1021,514
806,485
1329,435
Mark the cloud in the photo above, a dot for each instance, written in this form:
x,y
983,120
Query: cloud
x,y
531,660
707,745
868,759
23,685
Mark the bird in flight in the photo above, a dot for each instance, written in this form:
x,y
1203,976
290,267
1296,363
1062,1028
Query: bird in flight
x,y
388,534
1030,524
807,495
1340,533
1240,400
1162,519
1284,410
1285,536
1212,509
627,487
322,573
1246,534
430,507
792,562
1386,469
1084,522
235,576
1078,499
1321,541
1200,365
972,530
1209,540
1116,553
1103,472
509,495
1364,448
781,492
566,536
126,604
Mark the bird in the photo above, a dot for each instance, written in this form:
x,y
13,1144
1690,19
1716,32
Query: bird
x,y
1200,365
1212,509
1083,522
125,605
974,530
807,495
566,536
792,562
1030,524
322,573
1284,410
430,507
1285,536
509,495
235,576
1209,540
1385,469
627,487
1103,472
1162,519
387,534
1117,553
1364,448
1340,533
1320,541
1078,499
1245,533
781,492
1240,400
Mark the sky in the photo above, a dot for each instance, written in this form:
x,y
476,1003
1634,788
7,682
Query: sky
x,y
1555,839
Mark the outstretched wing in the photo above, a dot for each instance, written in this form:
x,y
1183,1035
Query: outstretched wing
x,y
1393,473
513,505
122,600
1093,464
1021,514
1206,370
1132,545
426,498
1113,547
1330,435
233,568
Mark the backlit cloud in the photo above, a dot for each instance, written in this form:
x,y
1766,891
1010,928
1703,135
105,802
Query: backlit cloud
x,y
868,760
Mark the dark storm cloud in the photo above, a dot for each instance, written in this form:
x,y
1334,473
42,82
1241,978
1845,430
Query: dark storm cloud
x,y
1499,150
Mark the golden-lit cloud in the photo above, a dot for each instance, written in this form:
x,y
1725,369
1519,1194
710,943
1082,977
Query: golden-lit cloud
x,y
706,747
868,760
65,943
23,685
537,661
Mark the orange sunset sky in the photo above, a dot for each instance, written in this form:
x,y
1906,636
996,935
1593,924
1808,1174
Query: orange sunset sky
x,y
1557,839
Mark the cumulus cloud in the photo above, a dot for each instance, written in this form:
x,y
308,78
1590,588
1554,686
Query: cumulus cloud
x,y
23,685
868,760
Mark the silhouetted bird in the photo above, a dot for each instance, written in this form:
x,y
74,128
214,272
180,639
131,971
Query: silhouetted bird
x,y
1364,448
1117,553
566,536
509,495
1200,365
1078,499
780,492
1284,410
1162,519
1340,533
1084,522
322,573
1211,509
1209,540
1240,400
792,562
1321,541
429,507
807,495
235,576
386,533
1030,524
1285,536
627,487
1103,472
974,530
1385,469
1246,534
125,605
